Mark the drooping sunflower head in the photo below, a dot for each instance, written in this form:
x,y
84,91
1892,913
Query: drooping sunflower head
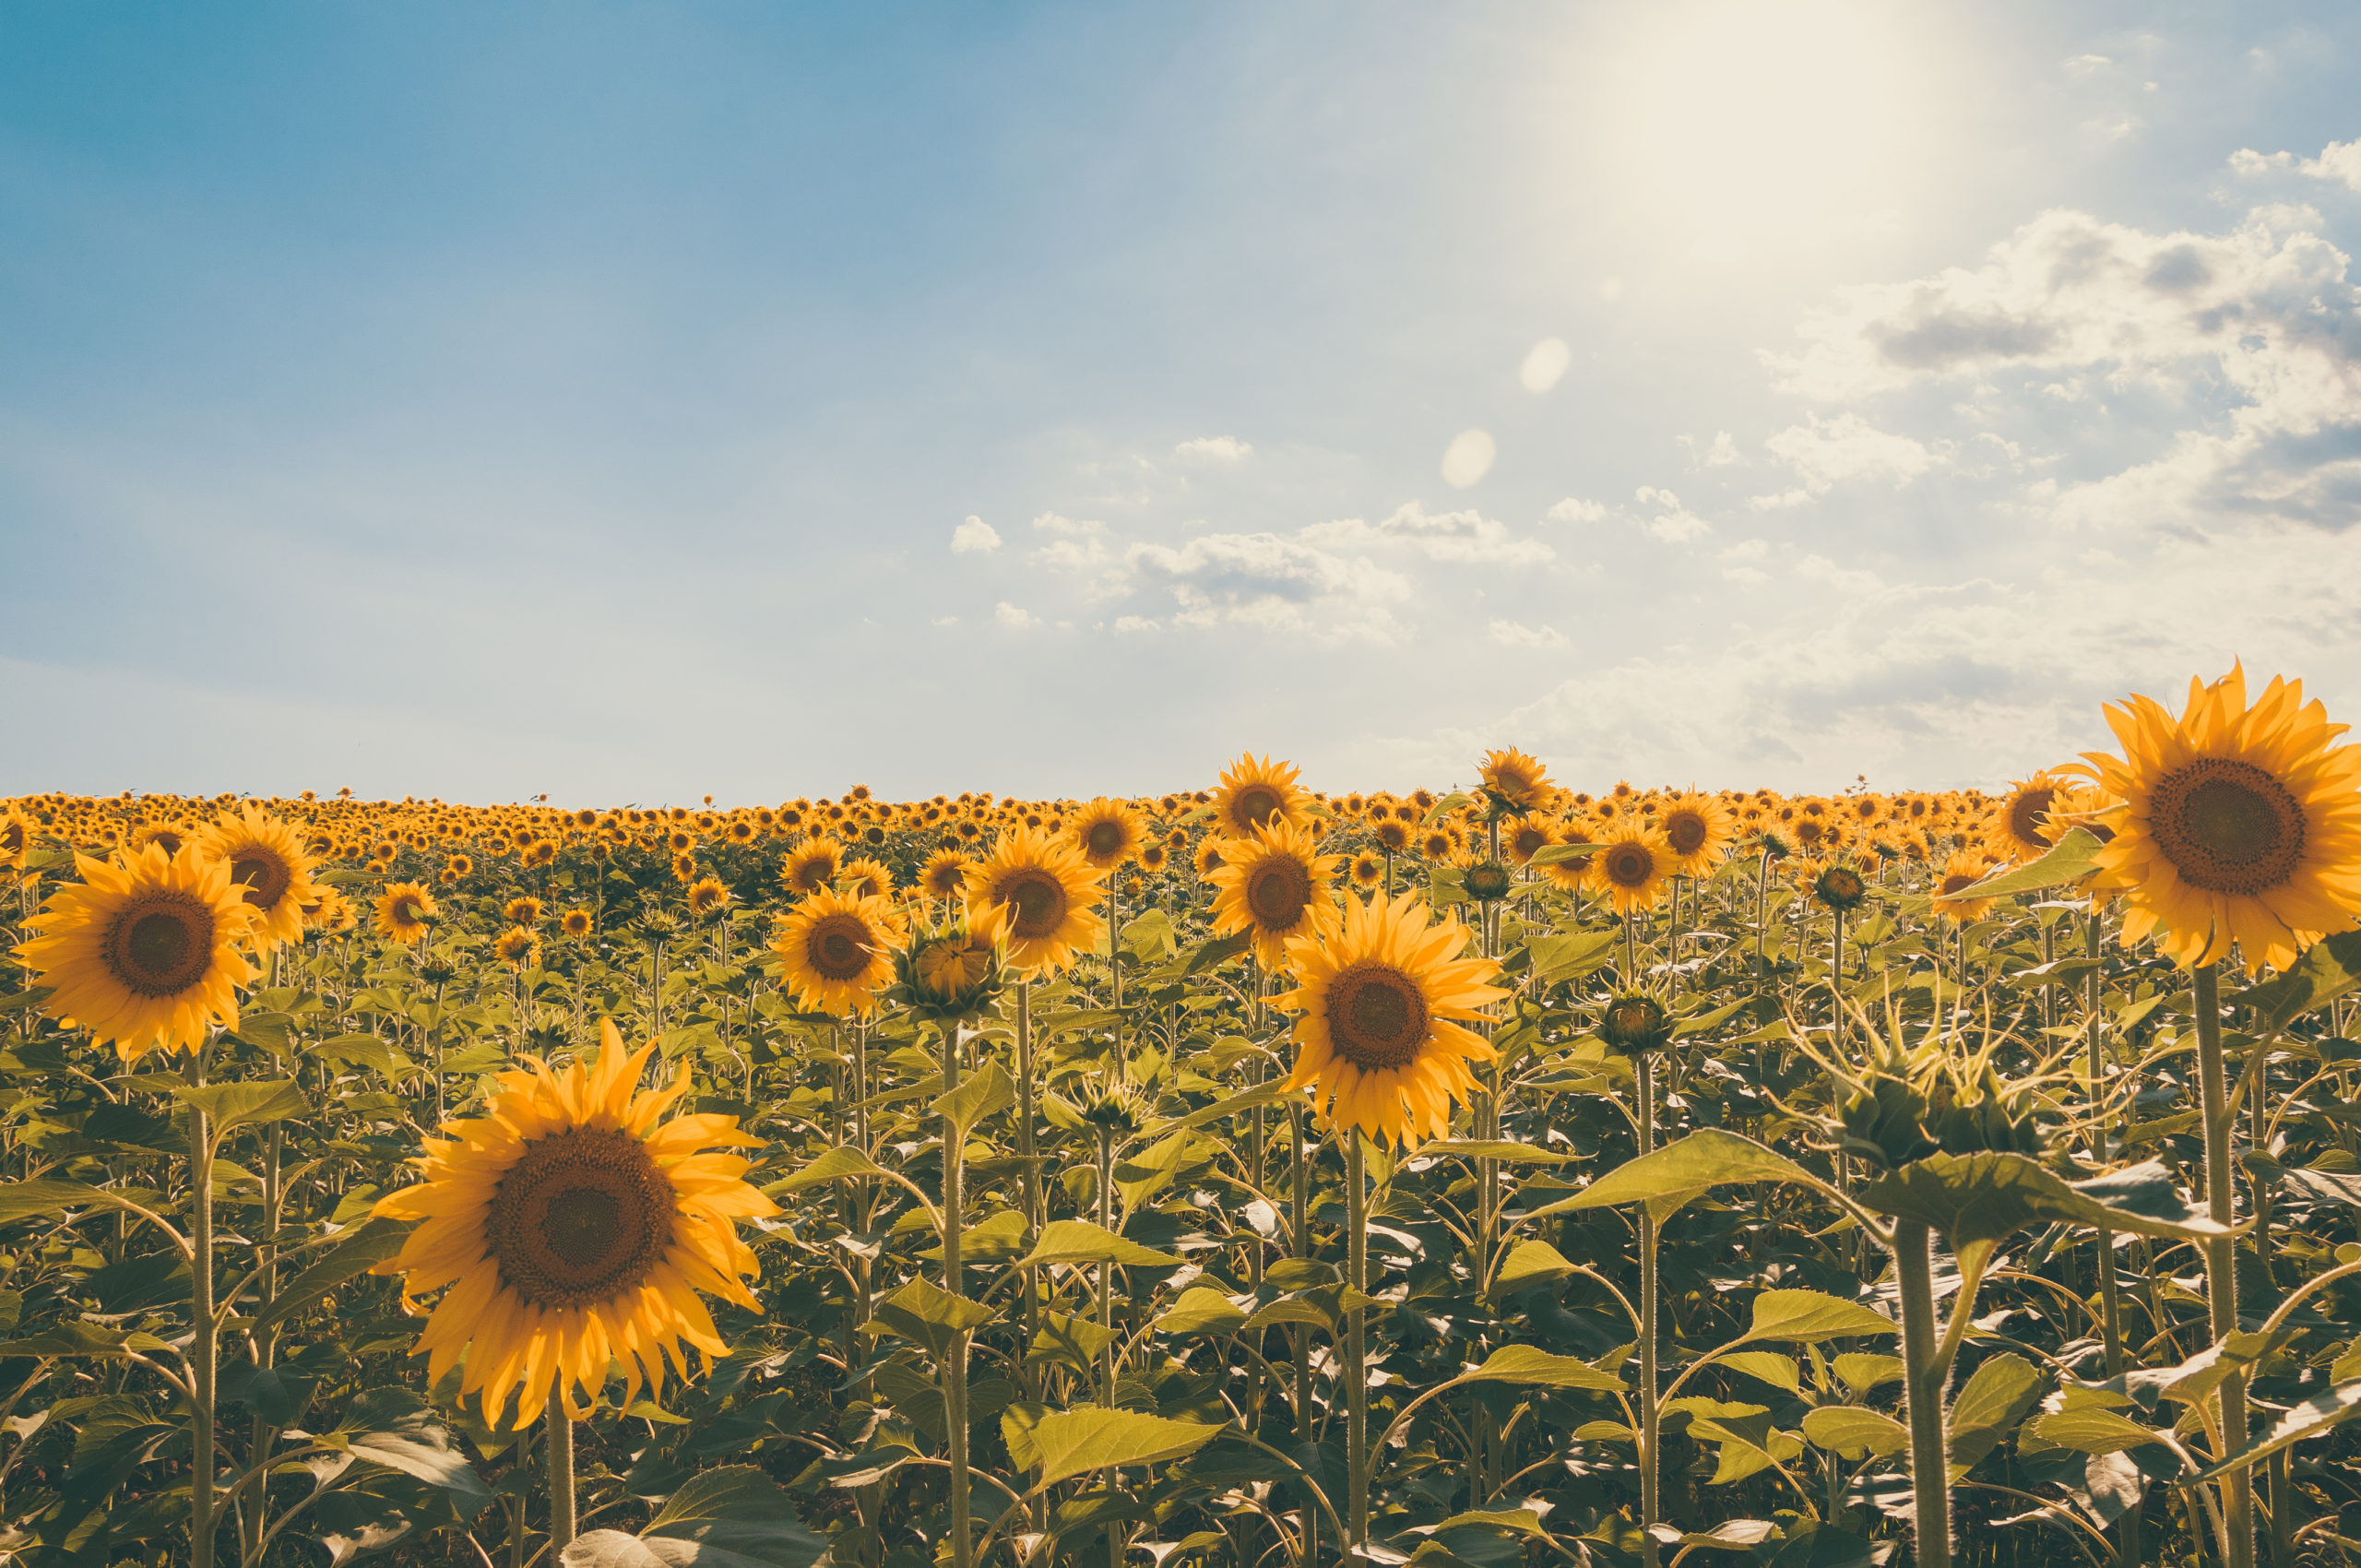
x,y
836,950
1107,832
1698,829
1634,1023
2239,824
1513,782
953,972
406,912
571,1230
1254,791
144,951
331,912
1838,885
1380,1005
272,869
811,865
517,947
944,875
1488,882
1274,883
866,878
708,897
1631,867
1047,893
2021,829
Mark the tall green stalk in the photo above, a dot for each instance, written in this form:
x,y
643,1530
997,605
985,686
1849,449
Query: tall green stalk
x,y
204,1349
563,1523
2128,1528
1356,1346
1651,1415
955,1280
1924,1373
2222,1263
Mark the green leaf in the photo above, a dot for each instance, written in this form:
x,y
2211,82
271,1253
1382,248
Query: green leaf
x,y
1529,1263
1569,957
925,1313
28,1200
2093,1429
1807,1317
1199,1311
1077,1441
996,1240
1706,1157
371,1242
231,1106
364,1050
2329,969
394,1427
1978,1200
1219,951
2330,1408
1767,1366
738,1510
2069,861
1518,1521
1150,936
1989,1406
833,1165
1559,854
1502,1149
1854,1432
1863,1371
1528,1366
1079,1241
1235,1105
987,1093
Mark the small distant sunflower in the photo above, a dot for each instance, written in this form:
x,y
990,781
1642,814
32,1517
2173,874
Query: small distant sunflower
x,y
1965,869
1208,858
685,870
1154,857
1631,867
944,875
1698,829
708,895
330,911
405,913
526,910
811,865
1255,791
575,922
1438,843
1107,832
865,878
1275,885
1393,834
15,835
1521,839
836,950
1049,892
269,862
2236,823
2021,829
143,951
1377,1039
168,837
1513,782
457,866
574,1231
517,947
1368,870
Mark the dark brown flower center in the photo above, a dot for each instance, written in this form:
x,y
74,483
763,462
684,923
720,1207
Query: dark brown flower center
x,y
1630,865
838,947
263,874
1953,882
581,1217
1257,805
1036,901
161,944
1685,831
2228,827
1106,839
1378,1015
2025,814
1277,892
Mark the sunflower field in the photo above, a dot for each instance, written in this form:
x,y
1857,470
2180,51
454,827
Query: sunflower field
x,y
1245,1177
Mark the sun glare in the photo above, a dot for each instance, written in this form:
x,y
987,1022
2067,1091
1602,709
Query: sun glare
x,y
1737,126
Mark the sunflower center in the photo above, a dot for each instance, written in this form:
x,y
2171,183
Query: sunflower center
x,y
1685,831
1038,901
1630,865
1257,805
1277,892
1953,882
2228,827
1377,1015
1106,838
581,1217
2026,812
161,944
838,948
263,875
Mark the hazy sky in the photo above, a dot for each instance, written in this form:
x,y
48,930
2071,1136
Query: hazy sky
x,y
636,402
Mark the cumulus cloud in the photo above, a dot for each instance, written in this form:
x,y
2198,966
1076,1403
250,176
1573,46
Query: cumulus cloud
x,y
1509,634
1271,580
1049,522
1468,458
1574,510
1215,449
1465,536
1824,452
2339,161
974,535
1545,365
1009,615
1672,523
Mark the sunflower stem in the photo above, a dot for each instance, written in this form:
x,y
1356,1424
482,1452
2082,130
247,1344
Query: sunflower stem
x,y
203,1351
1651,1415
1356,1374
955,1280
2222,1263
561,1459
2127,1530
1923,1377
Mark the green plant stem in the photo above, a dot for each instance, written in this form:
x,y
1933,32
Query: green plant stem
x,y
2222,1263
1356,1346
561,1457
1299,1335
2127,1528
1651,1413
1923,1379
203,1355
955,1280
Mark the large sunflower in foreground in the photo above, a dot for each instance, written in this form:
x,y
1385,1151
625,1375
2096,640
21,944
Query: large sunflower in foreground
x,y
1048,891
1273,882
143,951
1257,790
836,950
571,1230
268,861
2238,823
1375,1033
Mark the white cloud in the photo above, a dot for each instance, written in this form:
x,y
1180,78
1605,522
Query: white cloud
x,y
2339,161
1544,364
2084,64
1468,458
974,535
1009,615
1723,452
1215,449
1273,580
1135,623
1049,522
1573,510
1673,523
1824,452
947,621
1509,634
1465,536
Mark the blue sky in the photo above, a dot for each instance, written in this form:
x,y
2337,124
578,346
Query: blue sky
x,y
593,401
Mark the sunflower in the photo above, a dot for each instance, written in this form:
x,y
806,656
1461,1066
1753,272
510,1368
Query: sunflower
x,y
168,837
865,878
836,950
1368,870
575,922
1525,838
685,870
811,865
144,951
944,875
15,835
1835,885
1393,835
1274,885
954,970
517,947
405,912
1698,829
1513,782
2020,830
457,866
1154,857
1375,1037
1965,869
267,861
2236,823
330,911
1438,843
526,910
1631,867
574,1230
1207,860
1255,791
1049,892
1107,832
